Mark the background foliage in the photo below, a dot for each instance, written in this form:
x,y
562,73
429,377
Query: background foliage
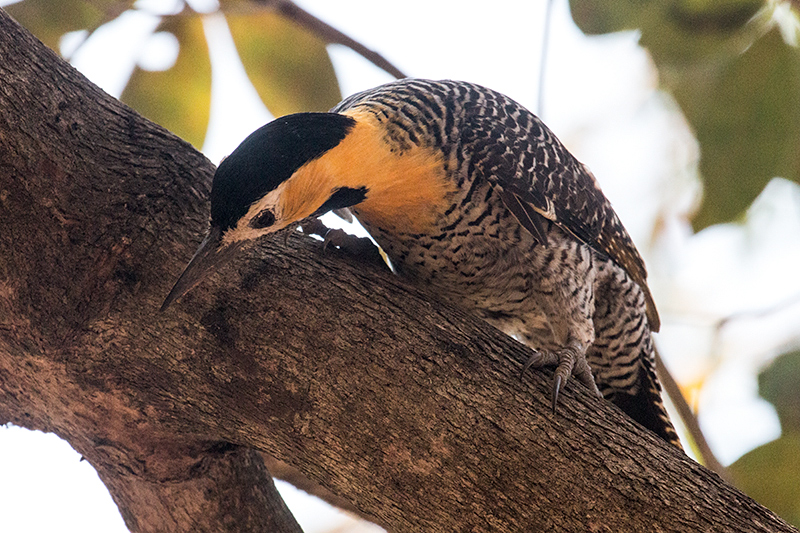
x,y
287,64
733,66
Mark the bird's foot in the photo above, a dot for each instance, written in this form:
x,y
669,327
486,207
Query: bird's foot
x,y
360,247
569,361
314,226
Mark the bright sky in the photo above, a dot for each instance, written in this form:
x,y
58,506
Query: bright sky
x,y
601,100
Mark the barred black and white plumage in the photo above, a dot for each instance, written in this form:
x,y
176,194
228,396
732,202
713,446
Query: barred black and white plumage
x,y
467,191
499,155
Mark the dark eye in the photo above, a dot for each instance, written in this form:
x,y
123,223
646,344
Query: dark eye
x,y
263,220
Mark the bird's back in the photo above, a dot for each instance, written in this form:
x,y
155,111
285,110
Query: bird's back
x,y
526,238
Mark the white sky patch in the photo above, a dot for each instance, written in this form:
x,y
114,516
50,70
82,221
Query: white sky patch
x,y
160,7
44,486
236,108
110,54
203,6
70,42
160,51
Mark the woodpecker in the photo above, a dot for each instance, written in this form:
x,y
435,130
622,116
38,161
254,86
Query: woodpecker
x,y
470,193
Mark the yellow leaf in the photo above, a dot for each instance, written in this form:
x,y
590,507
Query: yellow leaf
x,y
48,20
288,66
178,98
769,474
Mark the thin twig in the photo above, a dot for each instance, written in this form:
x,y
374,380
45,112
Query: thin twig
x,y
689,419
758,313
719,325
707,319
329,34
548,12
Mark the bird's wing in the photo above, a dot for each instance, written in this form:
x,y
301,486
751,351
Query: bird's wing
x,y
570,197
534,174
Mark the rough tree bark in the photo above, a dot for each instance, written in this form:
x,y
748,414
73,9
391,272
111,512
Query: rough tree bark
x,y
404,406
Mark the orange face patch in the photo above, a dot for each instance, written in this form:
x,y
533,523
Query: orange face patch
x,y
406,191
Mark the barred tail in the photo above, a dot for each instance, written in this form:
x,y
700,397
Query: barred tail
x,y
646,406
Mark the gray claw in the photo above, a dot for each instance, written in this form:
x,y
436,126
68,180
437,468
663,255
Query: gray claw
x,y
569,361
556,389
533,360
333,235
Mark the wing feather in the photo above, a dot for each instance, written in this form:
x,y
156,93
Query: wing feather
x,y
582,210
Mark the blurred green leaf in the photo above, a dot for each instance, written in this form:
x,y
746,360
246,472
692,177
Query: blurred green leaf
x,y
595,17
178,98
690,17
288,66
48,20
736,80
679,33
746,116
778,385
686,35
769,475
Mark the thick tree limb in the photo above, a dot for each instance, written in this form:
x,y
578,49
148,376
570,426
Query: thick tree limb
x,y
404,406
288,473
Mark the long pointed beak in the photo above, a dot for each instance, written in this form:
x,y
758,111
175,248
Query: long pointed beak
x,y
211,253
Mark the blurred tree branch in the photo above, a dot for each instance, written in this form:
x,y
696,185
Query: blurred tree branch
x,y
404,406
329,34
689,419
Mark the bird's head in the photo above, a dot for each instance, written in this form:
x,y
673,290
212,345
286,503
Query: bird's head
x,y
304,165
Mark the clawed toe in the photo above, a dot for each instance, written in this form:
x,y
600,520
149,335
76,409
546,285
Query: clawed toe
x,y
569,361
539,360
336,237
330,236
314,226
556,388
361,247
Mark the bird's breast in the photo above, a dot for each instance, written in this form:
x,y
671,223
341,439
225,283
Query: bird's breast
x,y
474,244
406,190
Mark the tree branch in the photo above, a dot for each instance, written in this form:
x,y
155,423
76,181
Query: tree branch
x,y
405,406
689,419
58,132
329,34
213,488
290,474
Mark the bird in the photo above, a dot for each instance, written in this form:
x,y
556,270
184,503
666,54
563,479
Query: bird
x,y
468,193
